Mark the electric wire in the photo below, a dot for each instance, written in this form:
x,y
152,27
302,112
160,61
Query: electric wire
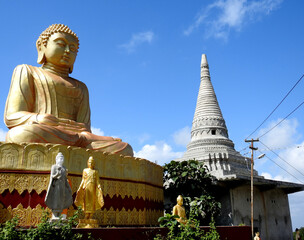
x,y
281,158
283,148
282,120
276,106
243,149
282,167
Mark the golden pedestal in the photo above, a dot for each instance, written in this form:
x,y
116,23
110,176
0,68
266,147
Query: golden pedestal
x,y
132,187
87,223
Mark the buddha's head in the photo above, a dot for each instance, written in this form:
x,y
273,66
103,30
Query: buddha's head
x,y
58,45
179,200
59,159
91,163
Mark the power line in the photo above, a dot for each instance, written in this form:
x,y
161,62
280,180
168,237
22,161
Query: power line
x,y
272,149
276,106
282,120
282,167
243,149
283,148
282,159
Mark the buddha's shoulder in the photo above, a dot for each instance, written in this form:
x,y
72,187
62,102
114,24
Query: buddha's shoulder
x,y
26,67
80,83
28,71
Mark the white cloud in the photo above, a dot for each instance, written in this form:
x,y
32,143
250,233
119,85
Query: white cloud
x,y
283,140
284,135
295,157
137,39
159,152
278,177
221,16
143,138
266,175
183,136
97,131
2,135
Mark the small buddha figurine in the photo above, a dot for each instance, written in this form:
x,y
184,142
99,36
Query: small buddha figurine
x,y
89,195
298,236
59,193
257,236
179,210
46,105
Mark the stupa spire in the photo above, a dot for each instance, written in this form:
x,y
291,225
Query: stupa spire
x,y
208,120
209,136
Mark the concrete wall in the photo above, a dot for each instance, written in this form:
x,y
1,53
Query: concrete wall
x,y
225,218
271,211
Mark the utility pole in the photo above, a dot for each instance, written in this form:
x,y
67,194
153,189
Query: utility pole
x,y
251,187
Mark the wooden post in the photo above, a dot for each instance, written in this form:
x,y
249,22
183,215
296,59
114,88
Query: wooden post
x,y
251,181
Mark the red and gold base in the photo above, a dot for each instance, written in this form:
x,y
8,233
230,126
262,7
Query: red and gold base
x,y
133,193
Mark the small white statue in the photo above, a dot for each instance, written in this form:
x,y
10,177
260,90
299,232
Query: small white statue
x,y
59,193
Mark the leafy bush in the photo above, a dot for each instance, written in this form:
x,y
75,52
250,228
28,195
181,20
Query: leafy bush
x,y
190,230
191,180
8,230
45,230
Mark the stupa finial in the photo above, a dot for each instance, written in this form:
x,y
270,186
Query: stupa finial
x,y
204,68
204,61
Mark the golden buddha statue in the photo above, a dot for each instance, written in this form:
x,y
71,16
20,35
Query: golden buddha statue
x,y
179,210
45,105
89,194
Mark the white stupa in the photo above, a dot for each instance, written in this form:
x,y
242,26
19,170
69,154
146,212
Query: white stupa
x,y
210,142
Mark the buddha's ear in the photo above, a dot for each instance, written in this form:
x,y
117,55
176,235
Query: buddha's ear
x,y
71,69
40,50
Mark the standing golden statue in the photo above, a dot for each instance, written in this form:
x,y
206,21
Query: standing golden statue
x,y
45,105
179,210
89,195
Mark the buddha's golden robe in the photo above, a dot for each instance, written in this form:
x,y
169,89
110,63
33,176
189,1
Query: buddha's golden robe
x,y
180,211
89,195
34,92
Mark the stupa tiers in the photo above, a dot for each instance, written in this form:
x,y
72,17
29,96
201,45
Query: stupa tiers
x,y
209,135
210,144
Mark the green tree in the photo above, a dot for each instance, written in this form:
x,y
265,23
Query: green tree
x,y
191,180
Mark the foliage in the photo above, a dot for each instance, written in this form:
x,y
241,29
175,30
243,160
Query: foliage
x,y
188,176
191,179
8,230
190,230
204,208
45,230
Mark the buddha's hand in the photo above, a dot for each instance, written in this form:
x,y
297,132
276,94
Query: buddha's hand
x,y
47,119
73,124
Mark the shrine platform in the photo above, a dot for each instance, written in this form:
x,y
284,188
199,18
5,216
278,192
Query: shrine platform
x,y
132,187
147,233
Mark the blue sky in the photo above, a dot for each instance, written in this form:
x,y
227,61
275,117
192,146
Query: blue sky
x,y
141,63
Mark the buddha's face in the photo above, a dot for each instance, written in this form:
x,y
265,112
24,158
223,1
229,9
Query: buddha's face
x,y
59,160
91,163
61,50
180,201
